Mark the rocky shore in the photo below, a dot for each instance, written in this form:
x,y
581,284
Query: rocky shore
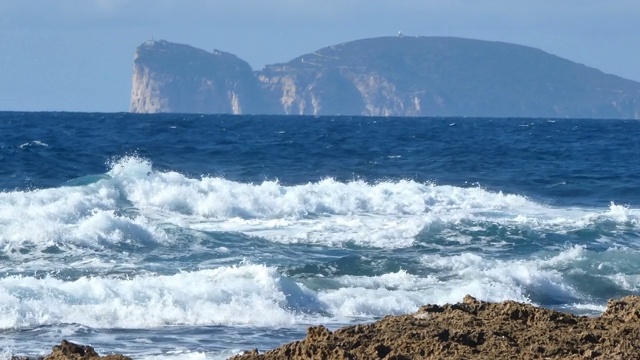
x,y
70,351
469,330
476,330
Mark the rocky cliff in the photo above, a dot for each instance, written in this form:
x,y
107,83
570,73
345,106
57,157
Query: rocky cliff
x,y
388,76
171,77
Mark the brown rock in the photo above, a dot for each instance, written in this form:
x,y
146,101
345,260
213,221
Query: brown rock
x,y
477,330
70,351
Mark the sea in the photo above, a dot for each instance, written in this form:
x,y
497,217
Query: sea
x,y
177,236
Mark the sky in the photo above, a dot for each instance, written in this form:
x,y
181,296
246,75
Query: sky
x,y
77,55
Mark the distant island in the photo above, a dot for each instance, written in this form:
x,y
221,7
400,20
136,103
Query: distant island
x,y
386,76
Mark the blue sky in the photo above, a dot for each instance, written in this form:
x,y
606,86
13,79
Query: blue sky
x,y
76,55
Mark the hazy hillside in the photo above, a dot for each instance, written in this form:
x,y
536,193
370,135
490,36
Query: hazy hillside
x,y
388,76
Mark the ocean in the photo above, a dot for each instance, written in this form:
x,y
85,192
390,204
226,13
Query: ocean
x,y
199,236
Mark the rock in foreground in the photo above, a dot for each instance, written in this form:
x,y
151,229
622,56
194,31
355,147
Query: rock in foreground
x,y
70,351
477,330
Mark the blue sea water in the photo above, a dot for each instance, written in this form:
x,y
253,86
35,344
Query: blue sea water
x,y
189,236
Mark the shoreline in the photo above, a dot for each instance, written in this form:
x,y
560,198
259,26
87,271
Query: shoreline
x,y
469,329
479,330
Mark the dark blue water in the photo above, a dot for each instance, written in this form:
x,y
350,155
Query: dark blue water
x,y
588,162
160,232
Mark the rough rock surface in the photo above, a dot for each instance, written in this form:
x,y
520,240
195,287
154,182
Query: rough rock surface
x,y
386,76
70,351
178,78
477,330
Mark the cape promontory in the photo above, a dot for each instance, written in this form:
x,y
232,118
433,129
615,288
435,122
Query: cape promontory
x,y
386,76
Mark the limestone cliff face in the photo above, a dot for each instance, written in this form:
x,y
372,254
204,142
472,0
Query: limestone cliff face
x,y
389,76
171,77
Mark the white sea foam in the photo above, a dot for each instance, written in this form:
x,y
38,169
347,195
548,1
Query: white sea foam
x,y
328,212
6,354
33,143
402,293
588,308
84,216
249,294
257,295
189,355
629,282
237,295
134,204
545,276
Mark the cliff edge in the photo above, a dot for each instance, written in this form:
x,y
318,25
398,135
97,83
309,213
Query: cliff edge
x,y
387,76
170,77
